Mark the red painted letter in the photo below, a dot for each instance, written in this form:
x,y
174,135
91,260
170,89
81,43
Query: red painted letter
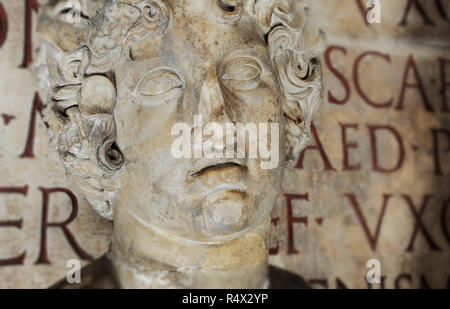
x,y
373,239
318,147
331,97
3,25
363,10
411,64
373,142
419,224
357,84
346,146
275,250
441,9
445,84
37,107
30,5
291,220
43,257
421,11
17,224
444,220
436,148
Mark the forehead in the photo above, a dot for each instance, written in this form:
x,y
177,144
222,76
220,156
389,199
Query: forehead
x,y
202,27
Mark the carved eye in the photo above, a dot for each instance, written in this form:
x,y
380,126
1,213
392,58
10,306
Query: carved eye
x,y
159,86
242,74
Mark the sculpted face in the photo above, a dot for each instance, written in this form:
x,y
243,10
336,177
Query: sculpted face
x,y
211,63
126,73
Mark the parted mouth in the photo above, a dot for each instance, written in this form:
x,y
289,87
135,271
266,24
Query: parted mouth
x,y
217,168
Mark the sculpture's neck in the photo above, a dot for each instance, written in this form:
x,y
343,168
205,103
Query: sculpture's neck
x,y
145,259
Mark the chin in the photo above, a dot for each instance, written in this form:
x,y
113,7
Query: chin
x,y
225,211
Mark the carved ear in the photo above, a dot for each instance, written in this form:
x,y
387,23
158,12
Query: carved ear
x,y
294,45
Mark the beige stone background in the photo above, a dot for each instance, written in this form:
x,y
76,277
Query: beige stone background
x,y
334,253
330,236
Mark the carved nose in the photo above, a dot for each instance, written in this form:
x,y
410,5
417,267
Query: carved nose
x,y
213,106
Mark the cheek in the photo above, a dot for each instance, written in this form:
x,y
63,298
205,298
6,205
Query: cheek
x,y
143,130
262,105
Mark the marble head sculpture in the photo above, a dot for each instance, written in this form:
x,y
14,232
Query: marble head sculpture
x,y
118,75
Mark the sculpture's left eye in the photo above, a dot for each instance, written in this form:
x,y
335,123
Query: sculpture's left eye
x,y
159,86
242,74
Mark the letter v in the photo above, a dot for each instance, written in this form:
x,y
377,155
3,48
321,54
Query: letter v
x,y
373,239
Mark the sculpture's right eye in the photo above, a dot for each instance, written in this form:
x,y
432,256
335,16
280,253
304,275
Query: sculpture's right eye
x,y
159,86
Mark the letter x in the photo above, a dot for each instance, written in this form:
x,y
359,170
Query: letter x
x,y
419,224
